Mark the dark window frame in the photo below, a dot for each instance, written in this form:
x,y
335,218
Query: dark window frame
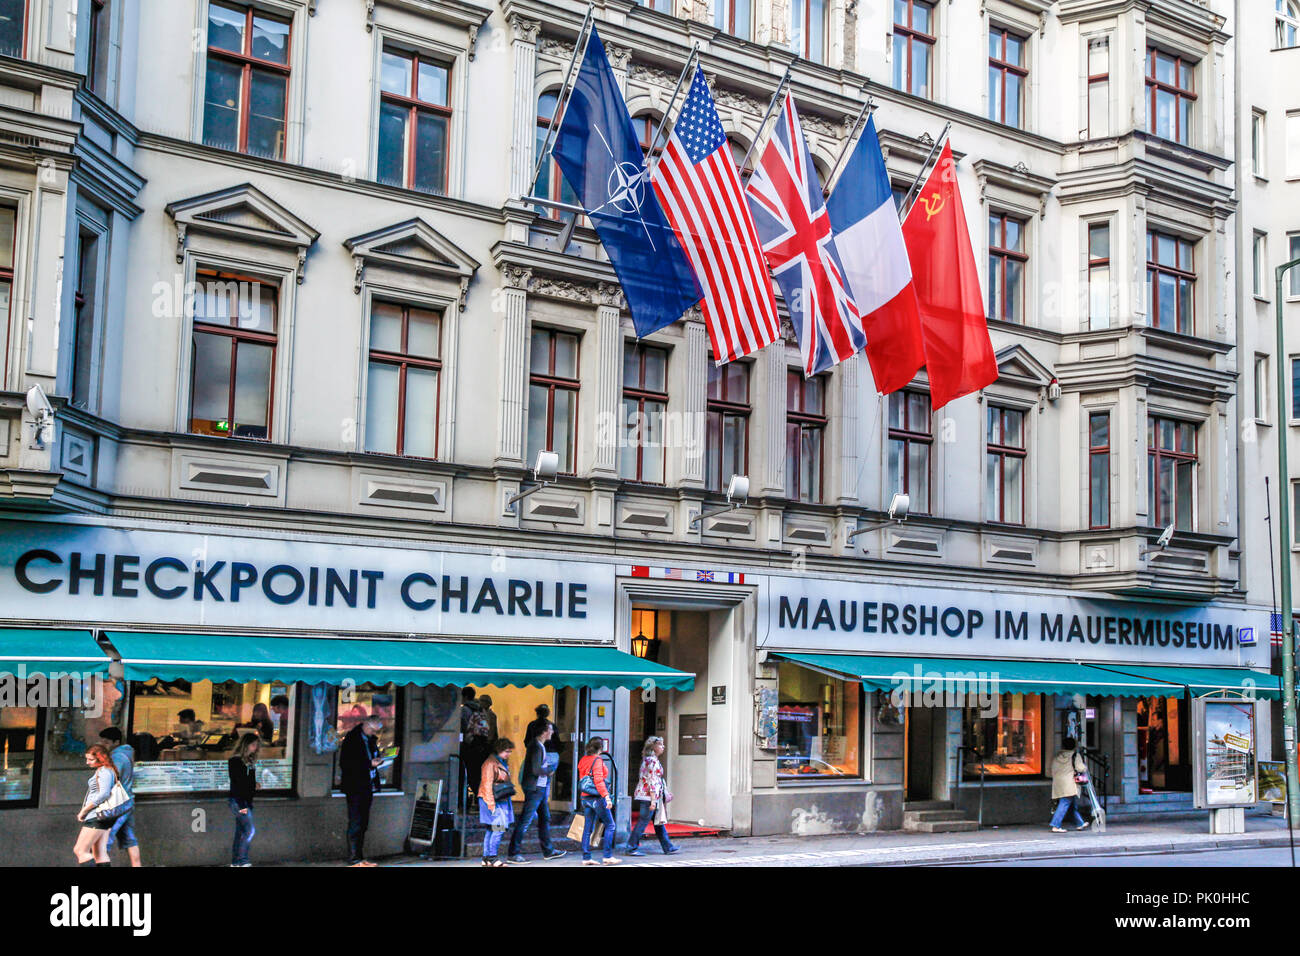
x,y
1096,263
1002,253
1184,324
98,24
1096,451
1003,67
7,278
807,421
908,435
404,360
414,107
1155,455
26,31
1155,86
1095,78
640,394
552,381
724,407
914,36
1000,450
248,63
37,768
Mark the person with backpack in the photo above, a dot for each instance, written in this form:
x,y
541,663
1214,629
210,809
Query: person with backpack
x,y
242,768
1068,771
105,802
596,802
122,832
495,811
535,778
651,797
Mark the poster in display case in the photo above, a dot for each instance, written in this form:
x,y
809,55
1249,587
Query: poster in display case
x,y
1226,772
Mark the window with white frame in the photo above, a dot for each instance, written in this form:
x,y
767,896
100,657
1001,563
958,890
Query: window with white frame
x,y
808,29
734,17
1258,144
913,47
233,356
1292,167
414,118
1295,389
1098,275
1008,76
1261,388
1171,95
402,380
1286,22
1258,265
245,105
13,27
1293,252
1098,87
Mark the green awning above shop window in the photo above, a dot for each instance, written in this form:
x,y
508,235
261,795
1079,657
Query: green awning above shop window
x,y
221,657
958,675
43,652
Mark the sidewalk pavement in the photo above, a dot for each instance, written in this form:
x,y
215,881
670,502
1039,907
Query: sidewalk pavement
x,y
1165,833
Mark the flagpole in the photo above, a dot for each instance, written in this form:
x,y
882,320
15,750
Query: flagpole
x,y
867,107
771,107
911,193
653,159
579,50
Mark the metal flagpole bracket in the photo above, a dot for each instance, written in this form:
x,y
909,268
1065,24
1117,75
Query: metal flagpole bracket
x,y
652,161
867,108
562,101
925,166
771,108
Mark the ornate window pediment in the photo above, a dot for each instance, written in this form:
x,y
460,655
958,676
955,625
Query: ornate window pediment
x,y
244,213
1013,187
1017,366
413,247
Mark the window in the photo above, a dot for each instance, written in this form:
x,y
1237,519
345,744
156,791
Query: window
x,y
1171,277
1287,22
1257,143
741,156
551,183
1258,265
8,223
1007,77
808,29
352,706
248,81
13,27
647,126
1004,479
663,6
1293,253
913,45
553,396
1170,97
805,435
818,725
184,733
726,440
1098,87
100,37
1261,388
84,306
1099,275
1007,260
910,441
734,17
1292,146
645,402
1099,470
21,734
1010,743
233,357
1171,473
402,385
413,118
1295,389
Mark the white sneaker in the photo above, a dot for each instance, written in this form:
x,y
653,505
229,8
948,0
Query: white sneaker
x,y
610,861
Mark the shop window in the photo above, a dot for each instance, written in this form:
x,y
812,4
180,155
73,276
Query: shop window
x,y
1160,744
1008,77
805,435
553,388
402,384
910,443
726,439
355,704
1171,473
1099,470
913,45
1004,485
1170,96
13,27
183,734
414,116
645,403
20,755
233,357
245,104
819,725
511,711
1171,281
1008,743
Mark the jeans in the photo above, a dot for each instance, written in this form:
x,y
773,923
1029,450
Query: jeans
x,y
534,803
644,816
244,833
594,811
1066,805
358,822
123,832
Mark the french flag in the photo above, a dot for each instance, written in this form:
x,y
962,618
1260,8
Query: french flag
x,y
869,238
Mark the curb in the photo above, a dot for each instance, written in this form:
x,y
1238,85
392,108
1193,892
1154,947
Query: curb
x,y
1151,849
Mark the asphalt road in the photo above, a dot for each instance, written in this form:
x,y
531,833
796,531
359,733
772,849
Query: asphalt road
x,y
1256,856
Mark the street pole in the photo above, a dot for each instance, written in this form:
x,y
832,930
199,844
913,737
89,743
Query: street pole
x,y
1284,546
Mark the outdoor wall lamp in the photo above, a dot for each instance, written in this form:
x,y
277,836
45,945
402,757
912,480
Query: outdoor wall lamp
x,y
898,506
1162,542
737,495
544,472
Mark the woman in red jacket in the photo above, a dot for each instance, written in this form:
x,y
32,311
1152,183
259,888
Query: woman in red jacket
x,y
596,802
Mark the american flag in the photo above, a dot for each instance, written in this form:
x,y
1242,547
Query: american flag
x,y
698,186
792,221
1275,629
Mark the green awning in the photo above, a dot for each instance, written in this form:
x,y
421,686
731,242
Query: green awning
x,y
1205,680
957,675
331,660
42,652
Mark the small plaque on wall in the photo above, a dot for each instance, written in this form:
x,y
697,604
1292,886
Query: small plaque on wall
x,y
719,695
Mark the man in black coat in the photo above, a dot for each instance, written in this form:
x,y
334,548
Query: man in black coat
x,y
358,763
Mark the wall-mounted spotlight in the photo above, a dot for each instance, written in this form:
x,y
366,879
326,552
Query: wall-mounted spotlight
x,y
546,468
898,508
737,495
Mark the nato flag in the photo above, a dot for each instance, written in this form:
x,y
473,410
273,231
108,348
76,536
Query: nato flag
x,y
598,152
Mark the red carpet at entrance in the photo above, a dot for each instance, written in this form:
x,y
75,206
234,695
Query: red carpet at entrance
x,y
680,830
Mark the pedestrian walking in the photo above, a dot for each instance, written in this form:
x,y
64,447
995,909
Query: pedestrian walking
x,y
535,778
359,767
495,810
243,784
535,727
650,800
475,745
104,802
1068,771
596,803
122,832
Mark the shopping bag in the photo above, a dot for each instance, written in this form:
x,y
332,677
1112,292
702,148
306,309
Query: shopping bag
x,y
575,827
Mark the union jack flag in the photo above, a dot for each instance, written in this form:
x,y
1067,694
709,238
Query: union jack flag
x,y
704,575
790,215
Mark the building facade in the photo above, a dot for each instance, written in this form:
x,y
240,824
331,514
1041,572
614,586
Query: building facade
x,y
276,267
